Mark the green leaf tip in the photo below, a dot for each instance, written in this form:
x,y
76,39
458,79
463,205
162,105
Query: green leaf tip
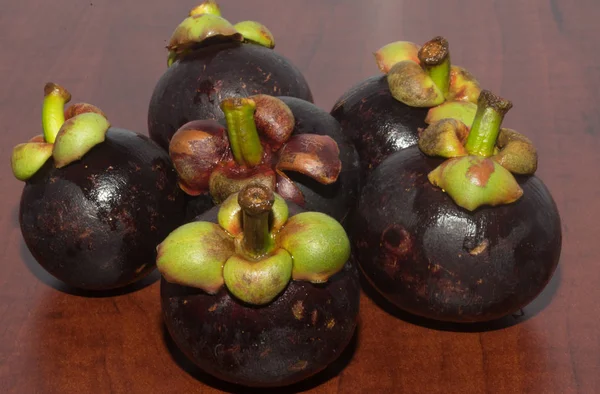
x,y
194,254
28,158
318,243
474,181
256,33
77,136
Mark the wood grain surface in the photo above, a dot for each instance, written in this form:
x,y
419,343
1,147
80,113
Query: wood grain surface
x,y
544,55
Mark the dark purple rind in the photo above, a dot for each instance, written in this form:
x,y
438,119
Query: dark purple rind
x,y
194,86
377,124
413,243
95,223
337,199
264,346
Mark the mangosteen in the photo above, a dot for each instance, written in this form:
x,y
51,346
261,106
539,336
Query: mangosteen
x,y
259,292
97,199
298,150
383,114
458,228
210,60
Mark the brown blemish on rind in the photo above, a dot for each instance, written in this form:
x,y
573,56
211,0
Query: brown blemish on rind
x,y
298,310
479,173
480,248
213,307
299,366
330,323
314,316
396,240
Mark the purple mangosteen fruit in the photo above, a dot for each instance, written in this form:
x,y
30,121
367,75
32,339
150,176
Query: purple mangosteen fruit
x,y
382,114
259,292
285,143
458,228
97,199
210,60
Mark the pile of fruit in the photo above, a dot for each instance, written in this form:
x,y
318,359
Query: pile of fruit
x,y
260,209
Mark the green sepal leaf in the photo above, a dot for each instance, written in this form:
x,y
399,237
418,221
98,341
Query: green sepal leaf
x,y
318,244
258,282
194,255
28,158
474,181
77,136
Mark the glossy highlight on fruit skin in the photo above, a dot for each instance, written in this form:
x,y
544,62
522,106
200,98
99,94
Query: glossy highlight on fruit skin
x,y
432,258
193,87
376,122
95,223
295,336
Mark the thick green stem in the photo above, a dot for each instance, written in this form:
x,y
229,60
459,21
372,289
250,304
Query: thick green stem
x,y
256,201
434,57
486,125
241,129
53,116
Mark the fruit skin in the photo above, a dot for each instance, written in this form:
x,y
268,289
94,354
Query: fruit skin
x,y
337,199
95,223
193,87
420,250
376,122
297,335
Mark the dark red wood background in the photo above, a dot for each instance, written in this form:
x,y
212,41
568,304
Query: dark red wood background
x,y
544,55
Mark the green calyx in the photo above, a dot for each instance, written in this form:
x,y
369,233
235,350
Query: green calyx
x,y
255,249
64,141
463,111
388,55
256,146
78,136
28,158
423,76
206,22
473,181
482,159
256,33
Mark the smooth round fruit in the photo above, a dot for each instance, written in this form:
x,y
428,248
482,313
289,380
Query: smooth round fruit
x,y
297,335
194,86
432,258
95,223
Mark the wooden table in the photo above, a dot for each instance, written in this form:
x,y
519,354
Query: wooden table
x,y
543,55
